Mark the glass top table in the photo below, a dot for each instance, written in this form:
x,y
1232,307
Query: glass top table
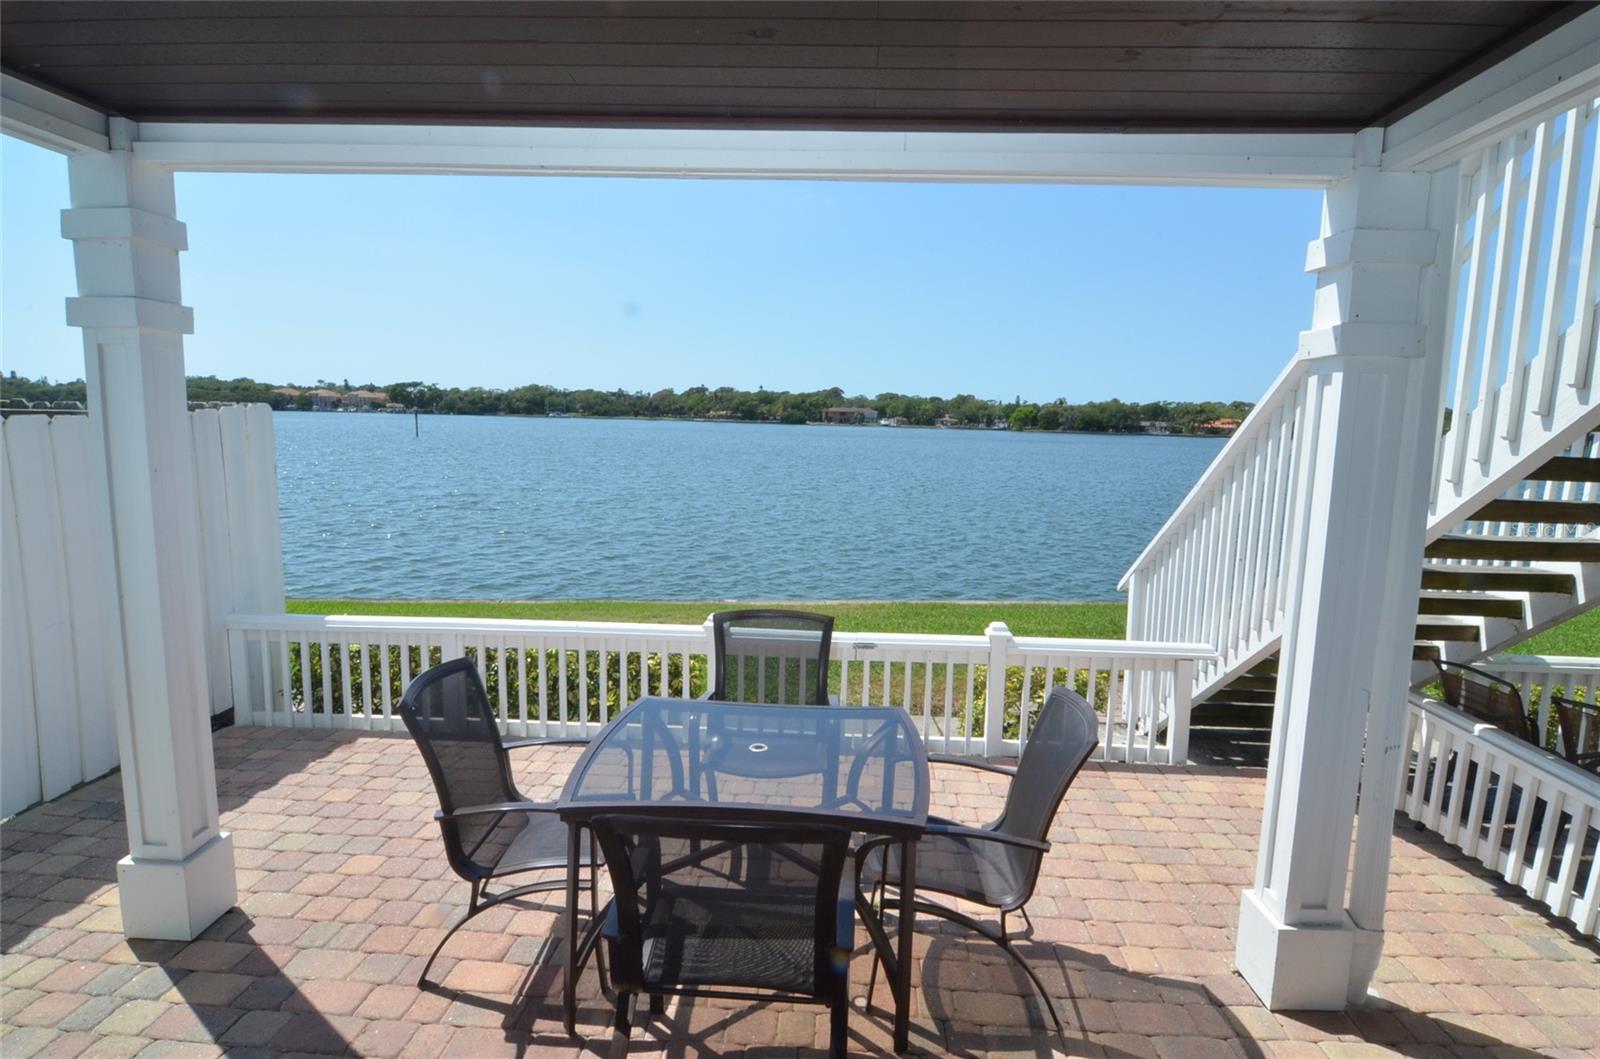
x,y
865,766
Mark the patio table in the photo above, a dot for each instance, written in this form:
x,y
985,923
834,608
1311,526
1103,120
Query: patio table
x,y
866,767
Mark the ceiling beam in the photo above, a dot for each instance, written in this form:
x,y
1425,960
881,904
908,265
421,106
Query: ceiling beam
x,y
1550,75
1236,159
40,116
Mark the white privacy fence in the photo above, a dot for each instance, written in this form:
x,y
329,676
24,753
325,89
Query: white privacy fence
x,y
60,663
1525,814
569,678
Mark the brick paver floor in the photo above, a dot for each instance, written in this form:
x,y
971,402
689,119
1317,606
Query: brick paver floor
x,y
343,890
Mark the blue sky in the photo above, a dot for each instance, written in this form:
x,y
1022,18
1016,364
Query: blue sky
x,y
1076,291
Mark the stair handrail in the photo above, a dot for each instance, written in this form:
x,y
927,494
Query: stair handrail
x,y
1212,573
1522,362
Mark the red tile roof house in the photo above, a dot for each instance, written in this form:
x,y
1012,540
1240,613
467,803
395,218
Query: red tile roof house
x,y
1397,879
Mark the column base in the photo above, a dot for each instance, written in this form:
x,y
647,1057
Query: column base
x,y
171,900
1301,968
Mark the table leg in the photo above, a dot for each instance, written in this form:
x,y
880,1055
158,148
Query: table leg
x,y
569,978
905,959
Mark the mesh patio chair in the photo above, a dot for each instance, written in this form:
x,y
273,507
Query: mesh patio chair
x,y
772,656
1580,731
1487,697
996,866
490,829
685,921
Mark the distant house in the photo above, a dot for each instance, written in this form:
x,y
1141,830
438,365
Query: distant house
x,y
894,421
323,400
947,421
1155,426
290,392
850,414
1219,426
365,400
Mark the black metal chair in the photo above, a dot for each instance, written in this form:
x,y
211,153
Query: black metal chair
x,y
490,829
772,657
1489,698
1580,731
996,866
685,921
761,654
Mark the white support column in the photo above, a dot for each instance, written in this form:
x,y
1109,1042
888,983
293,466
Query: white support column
x,y
1355,566
179,875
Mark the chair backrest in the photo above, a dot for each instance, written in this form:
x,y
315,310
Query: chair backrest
x,y
689,915
1063,736
1580,727
772,656
447,712
1485,696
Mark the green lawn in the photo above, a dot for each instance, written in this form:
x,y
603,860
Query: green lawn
x,y
1101,621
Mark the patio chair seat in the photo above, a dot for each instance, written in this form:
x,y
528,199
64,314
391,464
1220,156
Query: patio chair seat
x,y
705,936
541,844
972,869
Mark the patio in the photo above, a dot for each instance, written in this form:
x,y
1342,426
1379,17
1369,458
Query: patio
x,y
343,889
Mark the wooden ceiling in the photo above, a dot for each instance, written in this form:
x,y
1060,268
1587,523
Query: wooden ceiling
x,y
1307,65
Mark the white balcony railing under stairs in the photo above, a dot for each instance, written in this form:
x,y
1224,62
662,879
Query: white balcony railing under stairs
x,y
1521,339
569,678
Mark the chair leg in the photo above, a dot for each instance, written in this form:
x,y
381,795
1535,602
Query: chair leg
x,y
839,1023
872,970
1002,940
658,1004
473,908
623,1021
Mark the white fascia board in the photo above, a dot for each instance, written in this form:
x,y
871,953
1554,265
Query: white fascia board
x,y
1246,160
1552,74
42,117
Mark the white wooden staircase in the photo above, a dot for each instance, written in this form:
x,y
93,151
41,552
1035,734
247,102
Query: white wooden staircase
x,y
1513,542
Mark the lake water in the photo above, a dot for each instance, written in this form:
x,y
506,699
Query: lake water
x,y
504,508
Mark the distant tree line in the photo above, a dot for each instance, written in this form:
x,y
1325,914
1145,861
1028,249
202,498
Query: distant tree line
x,y
701,402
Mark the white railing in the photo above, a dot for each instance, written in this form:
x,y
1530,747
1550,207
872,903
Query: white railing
x,y
1214,572
569,678
1541,678
1521,341
1524,813
1521,326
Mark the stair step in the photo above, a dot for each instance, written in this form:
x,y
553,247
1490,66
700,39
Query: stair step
x,y
1425,652
1447,631
1455,603
1520,549
1552,511
1253,681
1568,469
1213,714
1234,693
1496,579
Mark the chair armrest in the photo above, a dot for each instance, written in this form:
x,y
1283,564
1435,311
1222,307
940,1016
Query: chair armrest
x,y
979,834
555,740
971,763
495,807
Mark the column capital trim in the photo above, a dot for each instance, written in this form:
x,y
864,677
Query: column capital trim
x,y
139,314
1359,339
1373,246
124,222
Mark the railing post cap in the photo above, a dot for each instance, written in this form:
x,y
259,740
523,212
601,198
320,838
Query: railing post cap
x,y
997,629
